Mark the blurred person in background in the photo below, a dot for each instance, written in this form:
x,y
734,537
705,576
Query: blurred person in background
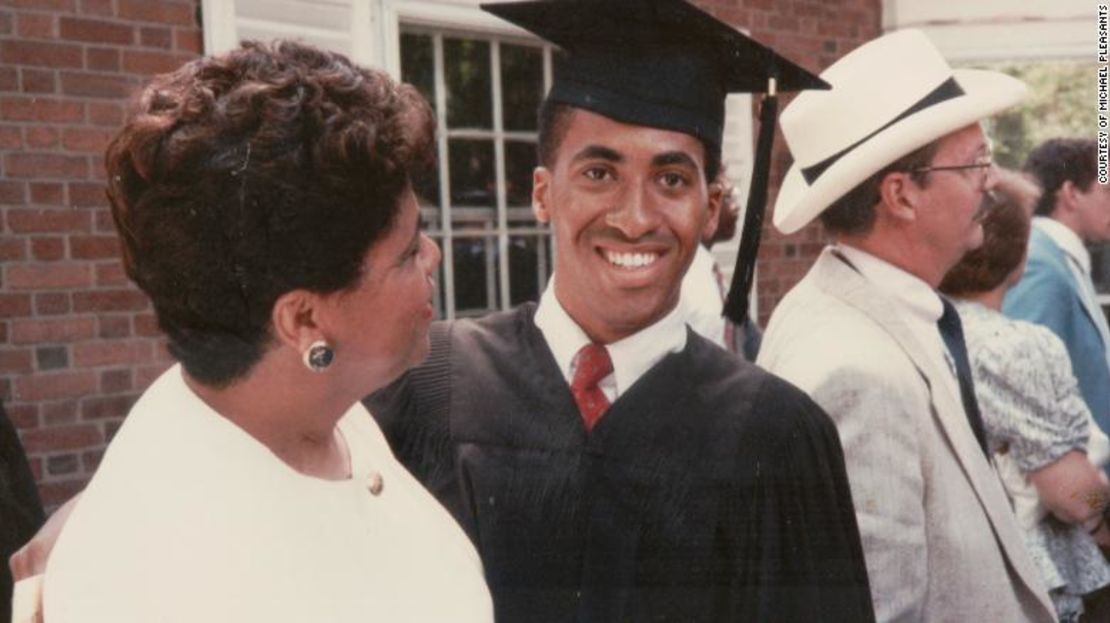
x,y
20,509
1056,290
1039,431
704,286
264,203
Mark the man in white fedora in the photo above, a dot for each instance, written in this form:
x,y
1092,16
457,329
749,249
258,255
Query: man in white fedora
x,y
894,163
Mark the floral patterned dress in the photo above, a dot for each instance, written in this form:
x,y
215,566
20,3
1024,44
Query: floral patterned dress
x,y
1034,414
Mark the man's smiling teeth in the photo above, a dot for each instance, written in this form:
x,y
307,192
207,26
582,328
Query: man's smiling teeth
x,y
631,260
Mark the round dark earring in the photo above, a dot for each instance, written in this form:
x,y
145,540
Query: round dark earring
x,y
318,356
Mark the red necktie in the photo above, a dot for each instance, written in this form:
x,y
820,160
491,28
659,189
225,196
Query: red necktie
x,y
593,364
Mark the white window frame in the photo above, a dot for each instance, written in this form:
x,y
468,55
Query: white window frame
x,y
999,30
438,19
219,29
499,291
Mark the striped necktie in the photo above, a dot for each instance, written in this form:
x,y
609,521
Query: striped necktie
x,y
592,363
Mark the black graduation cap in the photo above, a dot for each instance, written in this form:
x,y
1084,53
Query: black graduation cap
x,y
664,64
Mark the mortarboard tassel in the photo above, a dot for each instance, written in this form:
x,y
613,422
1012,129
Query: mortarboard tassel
x,y
736,304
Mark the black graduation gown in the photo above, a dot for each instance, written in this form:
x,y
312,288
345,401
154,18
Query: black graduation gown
x,y
21,512
710,491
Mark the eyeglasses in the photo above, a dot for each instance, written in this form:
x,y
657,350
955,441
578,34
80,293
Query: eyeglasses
x,y
982,164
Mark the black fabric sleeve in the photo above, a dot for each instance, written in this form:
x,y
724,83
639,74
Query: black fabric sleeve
x,y
21,513
803,558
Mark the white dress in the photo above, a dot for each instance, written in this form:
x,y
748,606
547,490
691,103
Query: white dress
x,y
1034,414
190,519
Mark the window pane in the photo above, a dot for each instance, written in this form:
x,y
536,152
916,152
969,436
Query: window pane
x,y
418,68
440,296
467,71
468,164
520,160
523,217
476,275
430,222
426,186
472,174
521,85
529,267
418,64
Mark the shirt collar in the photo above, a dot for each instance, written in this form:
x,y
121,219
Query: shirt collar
x,y
632,356
907,288
1066,239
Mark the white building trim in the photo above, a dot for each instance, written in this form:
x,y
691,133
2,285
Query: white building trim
x,y
990,30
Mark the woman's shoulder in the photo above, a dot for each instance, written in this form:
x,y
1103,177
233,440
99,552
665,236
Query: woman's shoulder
x,y
171,438
989,331
1031,344
160,431
175,457
1042,339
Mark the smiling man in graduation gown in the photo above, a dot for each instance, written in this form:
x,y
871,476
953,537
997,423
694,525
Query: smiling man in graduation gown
x,y
610,464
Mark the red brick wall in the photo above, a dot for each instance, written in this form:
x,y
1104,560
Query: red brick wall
x,y
813,34
77,341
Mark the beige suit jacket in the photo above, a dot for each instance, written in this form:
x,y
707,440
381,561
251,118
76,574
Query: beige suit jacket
x,y
939,537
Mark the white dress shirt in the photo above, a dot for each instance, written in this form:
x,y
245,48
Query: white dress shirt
x,y
922,304
632,356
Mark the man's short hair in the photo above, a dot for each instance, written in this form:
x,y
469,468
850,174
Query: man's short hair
x,y
554,121
1059,160
854,212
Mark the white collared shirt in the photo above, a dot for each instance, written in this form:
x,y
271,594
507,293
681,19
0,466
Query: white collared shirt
x,y
918,299
632,356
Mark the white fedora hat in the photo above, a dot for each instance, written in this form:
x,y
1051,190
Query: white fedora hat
x,y
889,97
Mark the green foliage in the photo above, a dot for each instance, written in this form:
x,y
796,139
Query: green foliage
x,y
1061,103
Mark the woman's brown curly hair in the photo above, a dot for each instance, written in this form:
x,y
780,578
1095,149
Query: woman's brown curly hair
x,y
239,178
1005,236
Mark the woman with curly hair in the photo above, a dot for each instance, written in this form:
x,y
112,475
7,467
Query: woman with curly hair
x,y
264,203
1040,433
